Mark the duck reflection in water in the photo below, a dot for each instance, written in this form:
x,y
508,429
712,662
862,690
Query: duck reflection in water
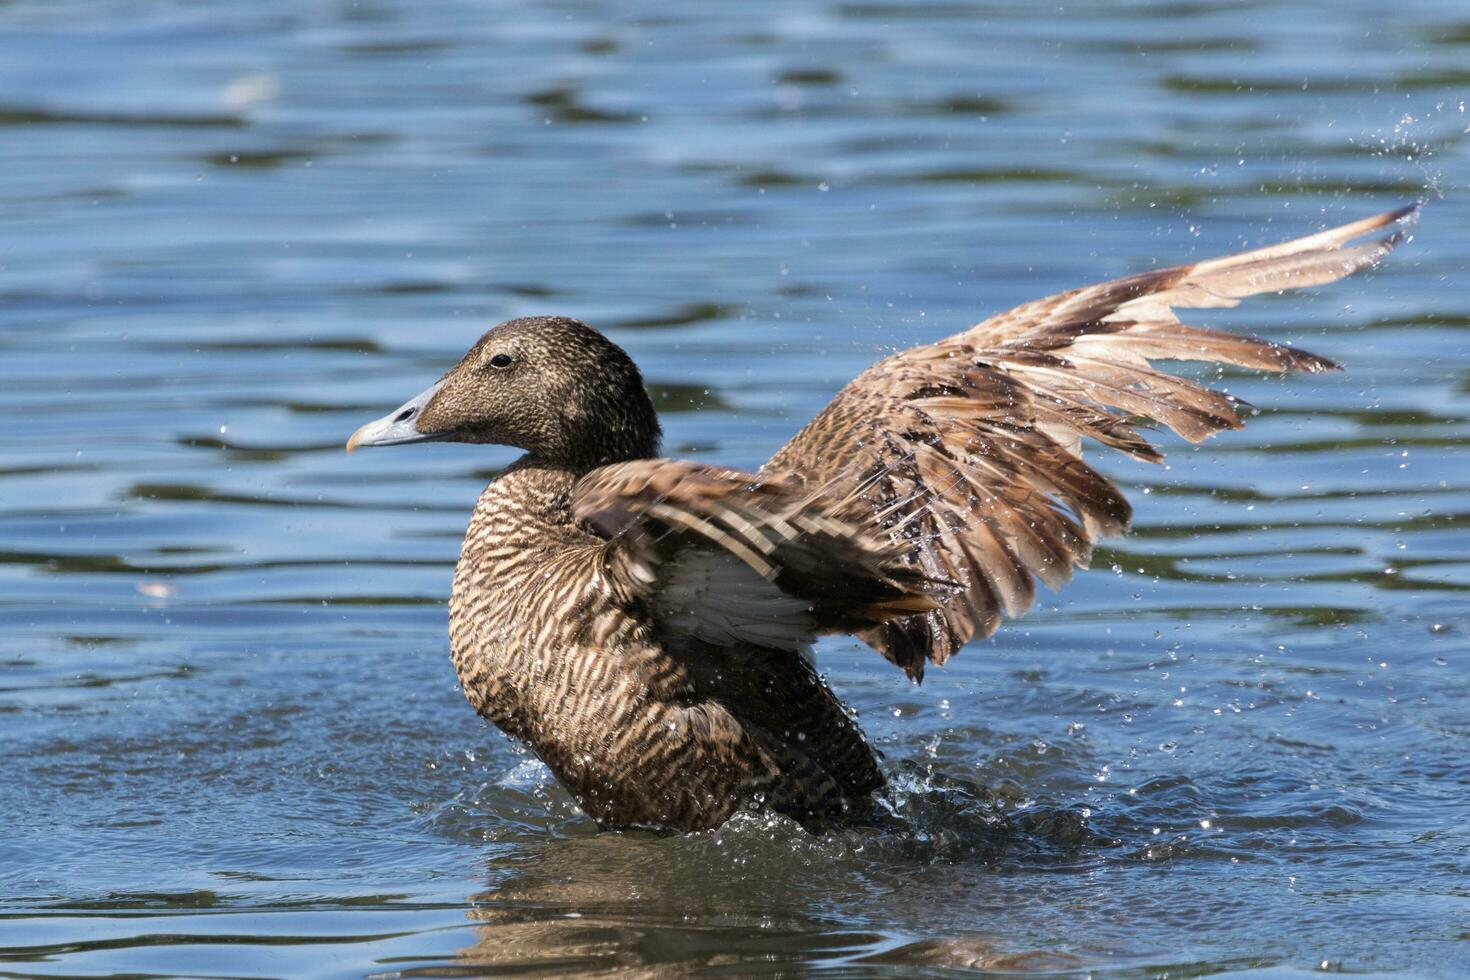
x,y
760,893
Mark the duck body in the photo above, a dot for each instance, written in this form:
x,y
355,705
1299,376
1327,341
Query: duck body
x,y
645,725
646,624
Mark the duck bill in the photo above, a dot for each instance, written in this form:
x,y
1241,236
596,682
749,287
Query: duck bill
x,y
399,427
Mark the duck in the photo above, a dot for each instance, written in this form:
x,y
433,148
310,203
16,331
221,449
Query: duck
x,y
645,625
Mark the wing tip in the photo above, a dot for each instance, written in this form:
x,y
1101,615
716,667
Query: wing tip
x,y
1404,215
1296,359
1409,213
1405,218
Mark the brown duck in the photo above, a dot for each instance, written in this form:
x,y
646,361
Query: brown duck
x,y
644,623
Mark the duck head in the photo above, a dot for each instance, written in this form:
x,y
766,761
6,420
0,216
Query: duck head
x,y
552,386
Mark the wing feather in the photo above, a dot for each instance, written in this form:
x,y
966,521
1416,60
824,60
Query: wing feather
x,y
728,556
966,453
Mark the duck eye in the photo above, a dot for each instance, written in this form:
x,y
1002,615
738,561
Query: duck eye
x,y
500,361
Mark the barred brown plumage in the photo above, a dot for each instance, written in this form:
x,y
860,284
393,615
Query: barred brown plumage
x,y
642,622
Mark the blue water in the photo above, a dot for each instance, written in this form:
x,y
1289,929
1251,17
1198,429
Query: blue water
x,y
231,743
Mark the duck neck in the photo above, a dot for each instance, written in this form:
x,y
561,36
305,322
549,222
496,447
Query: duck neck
x,y
613,423
582,455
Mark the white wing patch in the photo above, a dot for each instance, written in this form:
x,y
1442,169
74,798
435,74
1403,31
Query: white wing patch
x,y
716,597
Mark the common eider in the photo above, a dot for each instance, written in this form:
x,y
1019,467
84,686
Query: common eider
x,y
644,624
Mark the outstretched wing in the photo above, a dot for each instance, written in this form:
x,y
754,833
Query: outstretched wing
x,y
732,557
967,452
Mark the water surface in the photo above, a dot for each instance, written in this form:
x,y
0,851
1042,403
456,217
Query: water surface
x,y
231,743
